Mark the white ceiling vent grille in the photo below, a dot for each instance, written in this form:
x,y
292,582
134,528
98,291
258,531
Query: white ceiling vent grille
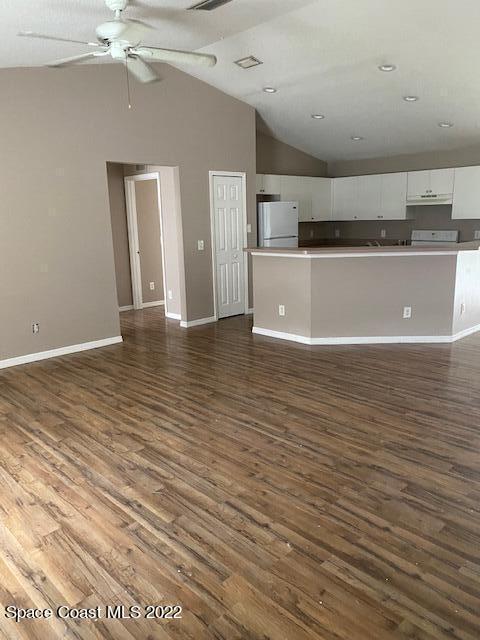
x,y
208,5
248,62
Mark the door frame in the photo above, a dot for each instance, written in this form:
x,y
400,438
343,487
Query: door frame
x,y
243,176
133,243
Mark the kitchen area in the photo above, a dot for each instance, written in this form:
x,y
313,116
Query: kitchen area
x,y
383,258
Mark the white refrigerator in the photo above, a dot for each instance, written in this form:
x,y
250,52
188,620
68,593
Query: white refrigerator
x,y
278,224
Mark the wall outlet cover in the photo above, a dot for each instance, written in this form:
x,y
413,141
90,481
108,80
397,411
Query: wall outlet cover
x,y
152,286
407,312
281,310
249,228
477,234
383,233
337,233
35,327
201,245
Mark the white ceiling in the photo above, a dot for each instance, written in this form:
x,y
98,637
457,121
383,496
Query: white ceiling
x,y
322,56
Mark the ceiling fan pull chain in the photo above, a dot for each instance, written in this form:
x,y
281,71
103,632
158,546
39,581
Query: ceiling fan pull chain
x,y
128,83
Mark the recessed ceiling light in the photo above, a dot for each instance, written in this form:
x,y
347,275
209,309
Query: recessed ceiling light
x,y
248,62
270,90
387,67
410,98
445,125
356,138
318,116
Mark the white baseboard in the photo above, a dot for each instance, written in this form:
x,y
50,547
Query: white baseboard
x,y
173,316
157,303
280,335
196,323
129,307
62,351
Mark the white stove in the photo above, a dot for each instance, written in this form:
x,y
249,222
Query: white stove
x,y
437,238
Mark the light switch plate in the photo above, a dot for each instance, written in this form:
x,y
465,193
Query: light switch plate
x,y
201,245
152,286
281,310
249,228
407,312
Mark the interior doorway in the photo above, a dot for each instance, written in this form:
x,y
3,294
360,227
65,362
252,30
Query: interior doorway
x,y
229,239
145,237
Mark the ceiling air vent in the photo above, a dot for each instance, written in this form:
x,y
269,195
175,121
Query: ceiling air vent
x,y
248,62
208,5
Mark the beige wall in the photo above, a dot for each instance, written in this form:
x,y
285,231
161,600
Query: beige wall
x,y
149,240
57,260
277,157
407,162
118,214
355,297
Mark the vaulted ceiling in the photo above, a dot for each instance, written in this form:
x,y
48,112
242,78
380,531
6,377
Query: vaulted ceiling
x,y
322,56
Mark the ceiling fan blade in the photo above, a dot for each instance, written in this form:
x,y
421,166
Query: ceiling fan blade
x,y
174,56
141,70
74,59
41,36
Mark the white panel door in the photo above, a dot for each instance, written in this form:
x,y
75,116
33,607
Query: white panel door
x,y
368,197
466,196
229,244
394,195
441,180
345,198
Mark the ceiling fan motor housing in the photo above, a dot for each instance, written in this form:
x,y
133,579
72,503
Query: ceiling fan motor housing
x,y
116,5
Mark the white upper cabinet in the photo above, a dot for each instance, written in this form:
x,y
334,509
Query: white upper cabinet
x,y
345,191
297,188
368,204
393,196
466,201
430,186
321,190
260,189
268,184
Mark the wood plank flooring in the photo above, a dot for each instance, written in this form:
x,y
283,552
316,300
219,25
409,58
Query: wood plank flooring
x,y
273,490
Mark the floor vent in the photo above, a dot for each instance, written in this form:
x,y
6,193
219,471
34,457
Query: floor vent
x,y
208,5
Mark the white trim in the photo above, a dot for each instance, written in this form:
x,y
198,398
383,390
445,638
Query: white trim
x,y
173,316
280,335
62,351
243,176
133,242
157,303
197,323
129,307
379,254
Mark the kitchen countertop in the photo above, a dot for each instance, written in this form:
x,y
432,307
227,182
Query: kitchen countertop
x,y
386,250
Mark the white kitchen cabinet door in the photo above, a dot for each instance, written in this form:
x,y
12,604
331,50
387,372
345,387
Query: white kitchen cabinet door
x,y
393,196
321,189
368,197
441,181
272,185
260,188
418,183
345,198
466,196
297,189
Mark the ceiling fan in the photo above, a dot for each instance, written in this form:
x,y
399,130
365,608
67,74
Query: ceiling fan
x,y
121,39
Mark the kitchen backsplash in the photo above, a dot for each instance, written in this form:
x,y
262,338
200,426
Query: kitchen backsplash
x,y
425,217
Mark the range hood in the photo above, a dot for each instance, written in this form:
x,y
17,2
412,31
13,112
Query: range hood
x,y
429,199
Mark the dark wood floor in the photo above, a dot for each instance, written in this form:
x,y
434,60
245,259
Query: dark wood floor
x,y
273,490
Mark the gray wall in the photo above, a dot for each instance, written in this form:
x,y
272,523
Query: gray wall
x,y
57,261
276,157
348,297
463,157
118,214
149,240
428,217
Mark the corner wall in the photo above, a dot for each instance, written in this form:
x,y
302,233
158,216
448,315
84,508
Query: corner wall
x,y
56,258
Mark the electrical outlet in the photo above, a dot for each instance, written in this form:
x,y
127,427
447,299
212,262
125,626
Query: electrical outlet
x,y
35,328
383,233
337,233
407,312
201,245
249,228
170,294
152,286
477,234
281,309
311,233
463,308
